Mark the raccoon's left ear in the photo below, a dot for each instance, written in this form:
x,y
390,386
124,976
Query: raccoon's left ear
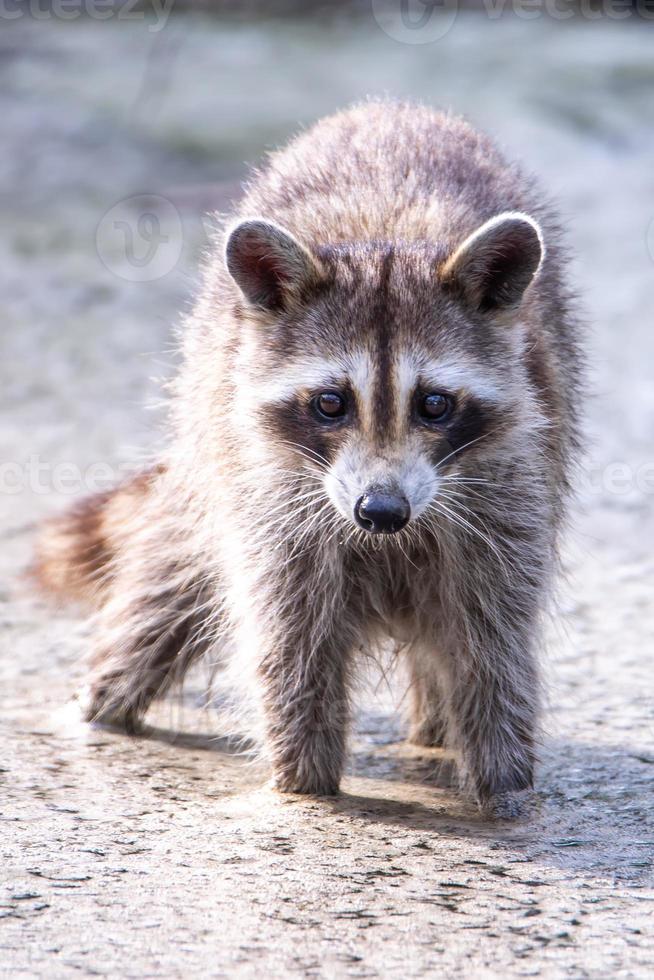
x,y
492,268
272,269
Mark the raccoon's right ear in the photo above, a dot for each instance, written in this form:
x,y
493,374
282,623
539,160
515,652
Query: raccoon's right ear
x,y
271,268
494,266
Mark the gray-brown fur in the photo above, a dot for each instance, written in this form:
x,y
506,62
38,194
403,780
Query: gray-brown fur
x,y
244,545
75,551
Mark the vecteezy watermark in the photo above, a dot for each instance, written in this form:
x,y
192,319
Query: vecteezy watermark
x,y
650,239
616,479
415,21
426,21
153,13
140,239
41,476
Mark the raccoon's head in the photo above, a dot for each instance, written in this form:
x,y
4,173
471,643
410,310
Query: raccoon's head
x,y
383,367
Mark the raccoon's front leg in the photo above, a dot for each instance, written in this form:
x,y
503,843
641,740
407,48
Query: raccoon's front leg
x,y
305,700
493,707
491,621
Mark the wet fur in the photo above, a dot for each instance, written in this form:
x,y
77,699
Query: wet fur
x,y
225,548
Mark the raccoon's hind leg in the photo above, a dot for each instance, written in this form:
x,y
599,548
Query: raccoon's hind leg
x,y
153,627
428,722
157,618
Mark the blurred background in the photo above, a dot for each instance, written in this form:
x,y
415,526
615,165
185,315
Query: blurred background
x,y
124,125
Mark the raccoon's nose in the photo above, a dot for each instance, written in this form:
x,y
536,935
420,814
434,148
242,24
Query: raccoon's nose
x,y
382,513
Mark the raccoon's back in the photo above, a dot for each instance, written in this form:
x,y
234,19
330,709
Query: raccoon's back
x,y
386,171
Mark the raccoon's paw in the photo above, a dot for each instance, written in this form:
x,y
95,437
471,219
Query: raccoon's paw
x,y
100,706
510,805
310,784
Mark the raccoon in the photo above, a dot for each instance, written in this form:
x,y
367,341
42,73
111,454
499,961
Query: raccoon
x,y
371,436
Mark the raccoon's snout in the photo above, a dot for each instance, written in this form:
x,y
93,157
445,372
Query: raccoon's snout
x,y
382,513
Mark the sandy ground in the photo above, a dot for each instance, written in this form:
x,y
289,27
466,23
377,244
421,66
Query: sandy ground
x,y
167,856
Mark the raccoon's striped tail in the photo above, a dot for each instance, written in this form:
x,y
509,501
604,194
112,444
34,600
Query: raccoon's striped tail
x,y
75,551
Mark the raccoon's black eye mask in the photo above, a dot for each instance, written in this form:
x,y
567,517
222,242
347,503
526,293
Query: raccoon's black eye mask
x,y
435,407
329,406
431,409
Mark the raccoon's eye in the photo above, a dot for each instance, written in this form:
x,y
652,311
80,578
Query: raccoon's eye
x,y
329,405
435,407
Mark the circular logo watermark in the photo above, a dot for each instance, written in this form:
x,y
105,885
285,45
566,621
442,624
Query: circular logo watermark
x,y
415,21
140,239
650,239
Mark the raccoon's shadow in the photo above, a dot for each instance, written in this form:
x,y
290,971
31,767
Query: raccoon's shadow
x,y
592,802
380,751
400,761
584,791
185,719
197,741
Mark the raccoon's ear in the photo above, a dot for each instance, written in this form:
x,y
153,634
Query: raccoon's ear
x,y
492,268
271,268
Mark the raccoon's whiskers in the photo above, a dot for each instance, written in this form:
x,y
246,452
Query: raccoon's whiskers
x,y
290,503
314,457
300,532
473,514
400,545
465,446
465,525
331,529
474,489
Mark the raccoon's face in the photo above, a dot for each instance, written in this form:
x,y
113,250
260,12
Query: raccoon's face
x,y
384,369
